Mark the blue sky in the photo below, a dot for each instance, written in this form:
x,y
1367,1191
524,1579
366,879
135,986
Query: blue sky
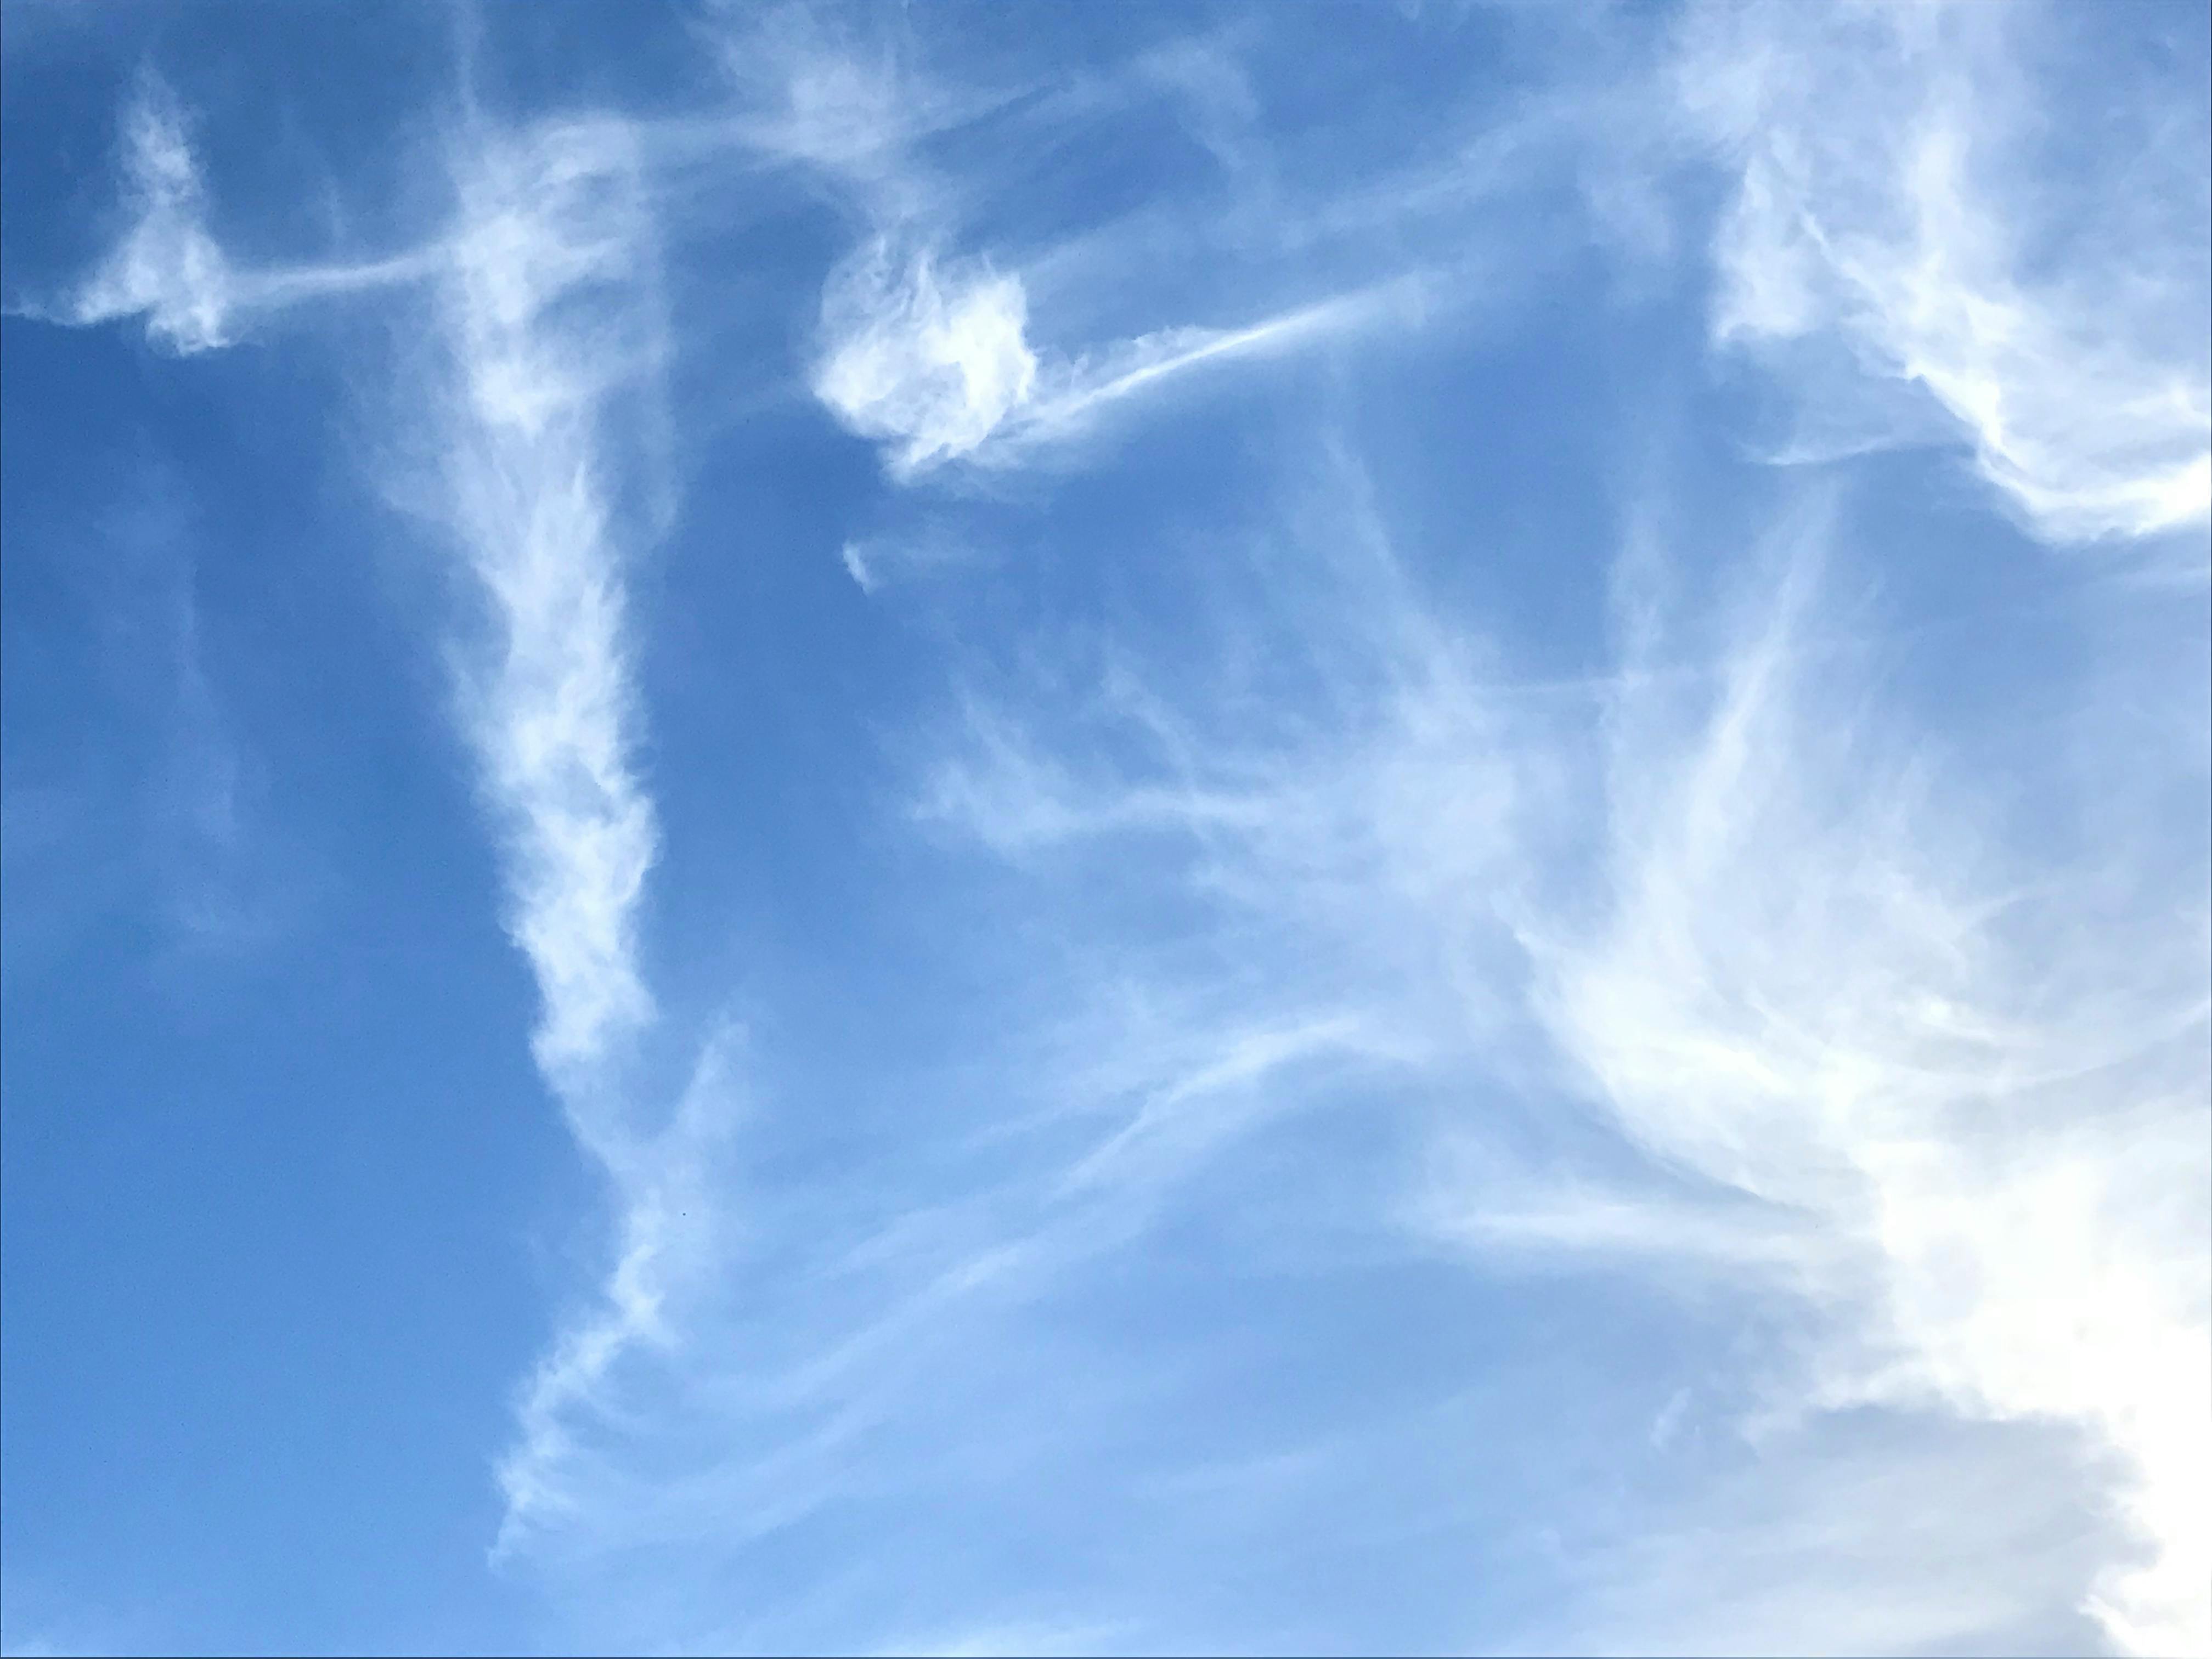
x,y
1106,829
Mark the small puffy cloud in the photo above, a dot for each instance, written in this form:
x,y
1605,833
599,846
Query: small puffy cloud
x,y
928,357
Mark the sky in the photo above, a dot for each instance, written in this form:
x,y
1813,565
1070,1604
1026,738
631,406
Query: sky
x,y
929,828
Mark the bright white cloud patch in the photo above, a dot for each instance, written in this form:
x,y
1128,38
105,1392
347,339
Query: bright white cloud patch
x,y
930,358
1941,1085
1976,1075
1888,190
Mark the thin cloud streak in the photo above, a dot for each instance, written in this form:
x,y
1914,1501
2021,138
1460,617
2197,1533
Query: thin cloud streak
x,y
930,353
1089,387
542,320
933,357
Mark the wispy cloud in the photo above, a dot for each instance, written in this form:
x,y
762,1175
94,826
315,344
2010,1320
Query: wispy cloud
x,y
1711,965
543,290
1936,1083
554,329
934,352
544,324
168,270
1971,1065
934,361
173,768
218,857
882,562
1782,1551
1888,193
934,358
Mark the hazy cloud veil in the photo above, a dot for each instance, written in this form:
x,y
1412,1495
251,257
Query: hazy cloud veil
x,y
1336,829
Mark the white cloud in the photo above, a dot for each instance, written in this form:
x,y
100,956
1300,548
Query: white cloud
x,y
555,333
1977,1076
854,558
1856,1537
672,1192
1942,1084
929,357
1896,185
1366,774
1936,1080
931,354
540,379
545,319
882,562
167,268
933,357
1084,387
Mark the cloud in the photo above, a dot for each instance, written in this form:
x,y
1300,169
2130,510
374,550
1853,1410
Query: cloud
x,y
1931,1077
1087,385
544,321
931,352
554,334
222,864
933,357
930,358
1900,178
1782,1550
843,100
167,268
858,565
166,814
1859,1041
892,1322
540,375
674,1188
884,562
1972,1067
1370,762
